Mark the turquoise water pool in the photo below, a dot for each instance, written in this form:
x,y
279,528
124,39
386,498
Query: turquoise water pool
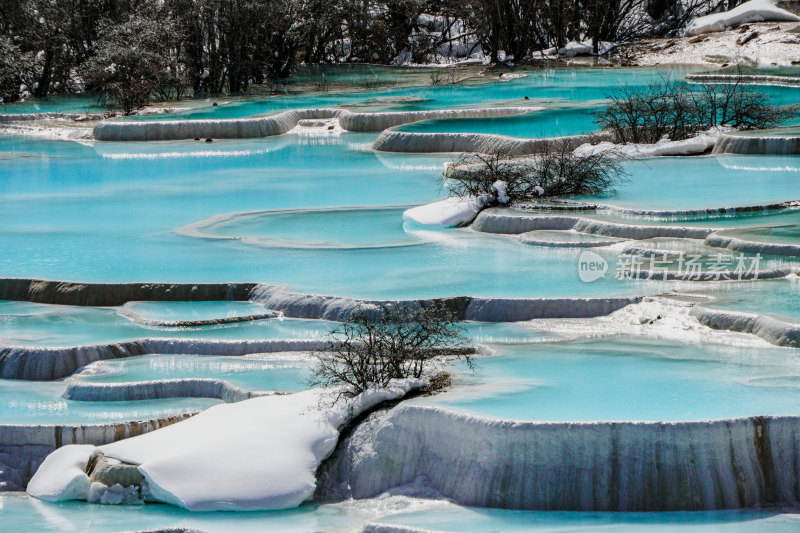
x,y
545,123
778,298
670,183
25,402
619,379
70,103
23,323
80,213
549,87
329,228
324,215
266,372
30,324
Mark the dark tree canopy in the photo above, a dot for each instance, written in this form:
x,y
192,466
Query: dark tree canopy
x,y
217,46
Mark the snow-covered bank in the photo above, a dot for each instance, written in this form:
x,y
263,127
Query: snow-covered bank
x,y
593,466
752,11
137,318
754,79
768,44
280,123
256,454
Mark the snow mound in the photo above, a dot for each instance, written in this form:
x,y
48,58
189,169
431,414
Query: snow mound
x,y
752,11
258,454
452,212
63,476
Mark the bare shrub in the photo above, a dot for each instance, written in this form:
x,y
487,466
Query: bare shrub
x,y
553,172
375,79
678,110
375,345
444,76
439,382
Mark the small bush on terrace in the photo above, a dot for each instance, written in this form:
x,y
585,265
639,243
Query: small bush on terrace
x,y
378,344
503,179
680,110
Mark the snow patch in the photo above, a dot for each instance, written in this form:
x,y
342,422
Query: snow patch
x,y
752,11
452,212
698,144
578,48
500,188
61,476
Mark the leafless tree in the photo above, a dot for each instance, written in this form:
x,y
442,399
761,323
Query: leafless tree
x,y
393,341
679,110
553,172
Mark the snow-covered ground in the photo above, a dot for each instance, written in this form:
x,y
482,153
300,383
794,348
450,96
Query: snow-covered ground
x,y
256,454
700,143
774,45
752,11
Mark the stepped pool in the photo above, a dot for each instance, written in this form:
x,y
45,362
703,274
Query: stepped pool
x,y
30,324
75,214
320,212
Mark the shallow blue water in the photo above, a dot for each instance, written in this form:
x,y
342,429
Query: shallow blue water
x,y
23,514
619,379
674,183
545,123
79,215
112,213
68,103
119,212
268,372
23,323
778,298
38,402
542,87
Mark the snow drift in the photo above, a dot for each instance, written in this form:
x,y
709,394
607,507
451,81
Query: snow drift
x,y
261,453
448,213
752,11
698,144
